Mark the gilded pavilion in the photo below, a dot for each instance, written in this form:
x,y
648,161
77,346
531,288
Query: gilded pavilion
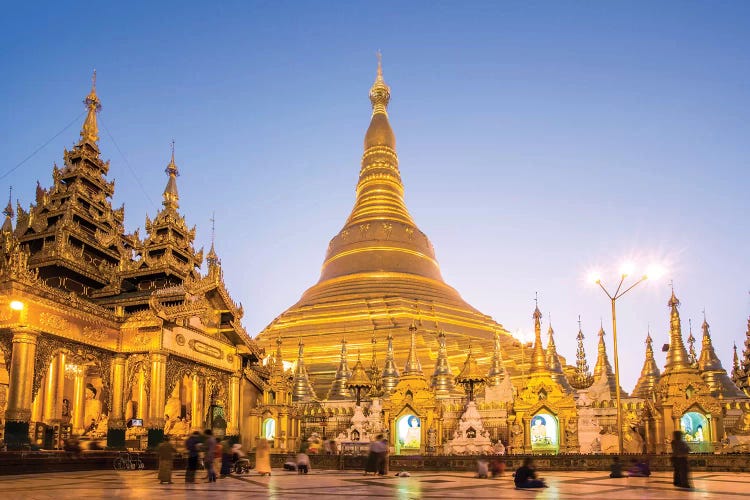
x,y
123,339
110,335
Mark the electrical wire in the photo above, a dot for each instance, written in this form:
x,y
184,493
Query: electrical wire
x,y
74,120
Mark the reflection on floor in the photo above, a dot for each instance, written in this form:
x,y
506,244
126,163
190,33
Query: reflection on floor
x,y
330,484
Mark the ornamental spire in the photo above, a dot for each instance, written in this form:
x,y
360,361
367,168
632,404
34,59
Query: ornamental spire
x,y
692,357
649,378
390,372
303,390
8,224
374,371
339,388
553,362
677,356
171,196
711,370
736,370
90,129
582,378
413,366
603,366
538,358
497,369
380,92
442,377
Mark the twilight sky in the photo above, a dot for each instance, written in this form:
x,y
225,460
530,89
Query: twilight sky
x,y
537,140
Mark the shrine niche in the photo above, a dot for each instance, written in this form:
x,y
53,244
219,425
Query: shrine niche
x,y
545,433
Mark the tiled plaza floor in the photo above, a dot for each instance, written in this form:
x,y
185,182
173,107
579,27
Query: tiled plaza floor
x,y
338,484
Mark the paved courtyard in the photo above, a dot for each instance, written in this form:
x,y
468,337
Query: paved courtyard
x,y
330,484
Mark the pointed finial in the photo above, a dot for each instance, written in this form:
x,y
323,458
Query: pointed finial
x,y
171,195
380,93
213,227
90,129
9,207
579,322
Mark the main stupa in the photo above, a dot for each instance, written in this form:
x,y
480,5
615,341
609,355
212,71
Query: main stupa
x,y
379,276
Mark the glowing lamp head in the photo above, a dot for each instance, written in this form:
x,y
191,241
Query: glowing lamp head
x,y
595,277
627,268
17,305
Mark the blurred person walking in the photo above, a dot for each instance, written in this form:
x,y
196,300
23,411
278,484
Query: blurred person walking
x,y
680,451
192,444
166,461
210,456
263,458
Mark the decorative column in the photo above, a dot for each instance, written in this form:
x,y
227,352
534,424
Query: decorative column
x,y
196,406
660,445
37,407
79,402
18,412
54,389
563,443
527,434
116,422
233,427
156,398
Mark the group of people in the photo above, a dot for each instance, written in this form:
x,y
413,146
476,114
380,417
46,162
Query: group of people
x,y
222,452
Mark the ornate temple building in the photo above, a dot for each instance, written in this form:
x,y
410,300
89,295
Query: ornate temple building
x,y
122,339
109,335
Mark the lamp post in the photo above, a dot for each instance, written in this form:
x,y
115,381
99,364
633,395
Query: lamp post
x,y
619,292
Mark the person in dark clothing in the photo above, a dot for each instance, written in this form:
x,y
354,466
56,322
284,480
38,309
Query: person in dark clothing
x,y
615,468
680,452
525,476
193,447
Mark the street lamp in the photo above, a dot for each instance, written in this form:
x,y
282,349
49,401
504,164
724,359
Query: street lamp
x,y
625,271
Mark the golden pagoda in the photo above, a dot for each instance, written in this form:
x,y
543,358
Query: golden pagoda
x,y
380,273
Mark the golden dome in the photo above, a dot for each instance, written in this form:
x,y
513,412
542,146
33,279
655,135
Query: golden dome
x,y
380,273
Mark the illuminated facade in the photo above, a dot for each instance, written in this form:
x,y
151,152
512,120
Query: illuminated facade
x,y
122,339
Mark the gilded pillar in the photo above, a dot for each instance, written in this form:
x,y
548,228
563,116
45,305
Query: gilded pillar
x,y
561,434
37,407
196,399
141,408
79,402
233,427
158,390
527,434
21,376
116,415
54,389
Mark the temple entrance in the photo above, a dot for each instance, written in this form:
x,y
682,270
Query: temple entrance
x,y
544,433
408,434
697,431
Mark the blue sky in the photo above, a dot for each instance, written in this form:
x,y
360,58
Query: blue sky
x,y
537,140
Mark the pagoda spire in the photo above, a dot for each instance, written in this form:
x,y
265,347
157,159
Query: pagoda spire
x,y
497,369
692,356
744,383
553,362
442,380
413,366
374,371
603,366
380,234
711,369
171,196
677,356
303,390
538,358
736,369
650,374
90,129
8,212
339,388
277,369
390,375
582,378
